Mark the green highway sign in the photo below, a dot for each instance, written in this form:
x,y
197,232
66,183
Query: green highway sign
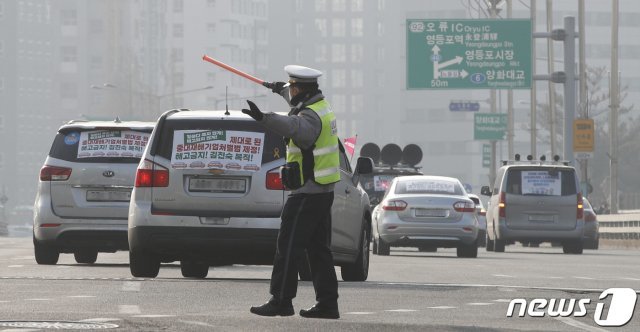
x,y
469,54
489,126
486,155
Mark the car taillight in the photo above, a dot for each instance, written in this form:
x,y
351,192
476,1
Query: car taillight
x,y
274,181
589,216
54,173
580,212
150,174
394,205
464,206
502,205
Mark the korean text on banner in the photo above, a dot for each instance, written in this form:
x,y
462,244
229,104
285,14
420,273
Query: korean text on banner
x,y
541,183
221,149
112,143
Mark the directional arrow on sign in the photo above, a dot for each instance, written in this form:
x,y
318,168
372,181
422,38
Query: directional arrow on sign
x,y
463,73
456,60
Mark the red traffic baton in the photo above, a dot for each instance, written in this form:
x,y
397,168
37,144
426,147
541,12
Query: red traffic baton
x,y
236,71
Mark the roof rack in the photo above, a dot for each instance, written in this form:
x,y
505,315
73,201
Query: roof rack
x,y
530,161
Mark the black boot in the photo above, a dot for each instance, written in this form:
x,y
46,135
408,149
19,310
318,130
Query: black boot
x,y
321,311
274,308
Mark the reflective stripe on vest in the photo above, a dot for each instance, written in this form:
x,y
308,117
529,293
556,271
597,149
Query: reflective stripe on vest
x,y
326,157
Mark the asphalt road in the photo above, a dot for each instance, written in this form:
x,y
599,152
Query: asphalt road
x,y
405,291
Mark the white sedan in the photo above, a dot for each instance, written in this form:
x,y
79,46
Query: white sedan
x,y
426,212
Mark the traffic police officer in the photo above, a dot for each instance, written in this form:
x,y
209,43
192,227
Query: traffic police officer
x,y
311,169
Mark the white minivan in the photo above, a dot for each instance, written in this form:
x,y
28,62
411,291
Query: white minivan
x,y
84,190
208,193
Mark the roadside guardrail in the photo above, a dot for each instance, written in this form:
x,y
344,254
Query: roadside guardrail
x,y
623,226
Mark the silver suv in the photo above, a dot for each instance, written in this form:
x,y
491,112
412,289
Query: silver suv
x,y
208,193
84,189
535,201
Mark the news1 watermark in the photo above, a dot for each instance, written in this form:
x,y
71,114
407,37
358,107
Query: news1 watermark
x,y
620,309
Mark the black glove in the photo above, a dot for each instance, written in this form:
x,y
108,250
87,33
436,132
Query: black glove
x,y
276,87
253,111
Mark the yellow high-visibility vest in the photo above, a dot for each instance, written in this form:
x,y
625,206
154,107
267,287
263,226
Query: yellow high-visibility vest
x,y
326,158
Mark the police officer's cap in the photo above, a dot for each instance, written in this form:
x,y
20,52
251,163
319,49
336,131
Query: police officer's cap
x,y
301,74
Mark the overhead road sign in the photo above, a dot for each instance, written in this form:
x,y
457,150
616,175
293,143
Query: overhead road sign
x,y
464,105
469,54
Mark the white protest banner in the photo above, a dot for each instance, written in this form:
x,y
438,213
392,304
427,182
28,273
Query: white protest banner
x,y
221,149
541,183
112,143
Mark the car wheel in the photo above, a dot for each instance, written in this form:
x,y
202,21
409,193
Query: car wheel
x,y
359,270
86,256
596,243
489,243
45,255
304,269
572,247
498,245
193,269
384,249
482,238
375,247
143,264
468,250
427,249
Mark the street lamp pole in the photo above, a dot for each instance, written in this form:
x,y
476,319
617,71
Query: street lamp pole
x,y
613,119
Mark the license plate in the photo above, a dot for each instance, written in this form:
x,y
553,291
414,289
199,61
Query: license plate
x,y
541,217
214,221
431,213
218,185
108,196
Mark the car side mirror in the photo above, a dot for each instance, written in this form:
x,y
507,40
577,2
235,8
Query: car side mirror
x,y
485,191
364,165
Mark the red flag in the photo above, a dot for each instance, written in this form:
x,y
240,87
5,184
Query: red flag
x,y
350,144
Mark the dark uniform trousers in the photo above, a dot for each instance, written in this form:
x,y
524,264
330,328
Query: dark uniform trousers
x,y
306,224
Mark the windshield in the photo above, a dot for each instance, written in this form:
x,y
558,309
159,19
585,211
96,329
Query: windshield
x,y
541,182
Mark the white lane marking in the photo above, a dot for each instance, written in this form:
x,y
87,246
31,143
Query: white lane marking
x,y
63,266
555,277
197,323
632,279
502,275
131,286
22,258
580,325
479,303
20,330
502,300
401,310
585,278
129,309
100,320
80,296
37,299
153,316
4,301
359,313
506,289
15,266
442,307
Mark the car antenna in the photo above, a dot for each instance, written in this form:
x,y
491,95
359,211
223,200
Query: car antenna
x,y
226,100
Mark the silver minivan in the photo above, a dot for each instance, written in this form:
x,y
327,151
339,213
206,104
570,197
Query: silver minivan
x,y
208,193
85,185
535,201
